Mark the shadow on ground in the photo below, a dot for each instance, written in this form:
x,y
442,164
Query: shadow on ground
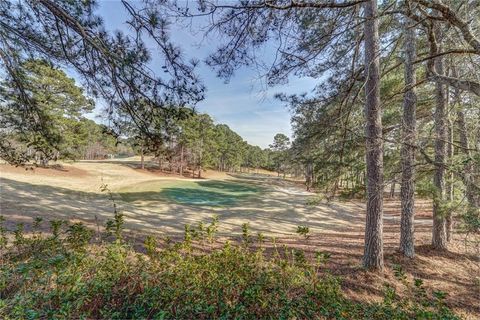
x,y
270,211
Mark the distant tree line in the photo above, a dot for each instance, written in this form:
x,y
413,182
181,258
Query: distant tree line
x,y
195,142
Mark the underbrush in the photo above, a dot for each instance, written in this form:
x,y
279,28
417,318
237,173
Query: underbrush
x,y
68,274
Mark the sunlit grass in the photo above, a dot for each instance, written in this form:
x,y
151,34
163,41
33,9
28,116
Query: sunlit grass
x,y
200,193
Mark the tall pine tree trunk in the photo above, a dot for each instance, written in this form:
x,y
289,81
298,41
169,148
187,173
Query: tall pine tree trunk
x,y
470,192
439,234
449,185
373,253
409,135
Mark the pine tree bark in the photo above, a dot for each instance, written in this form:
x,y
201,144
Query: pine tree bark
x,y
470,192
409,135
373,253
439,234
449,184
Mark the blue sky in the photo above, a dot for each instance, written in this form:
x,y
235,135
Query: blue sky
x,y
244,104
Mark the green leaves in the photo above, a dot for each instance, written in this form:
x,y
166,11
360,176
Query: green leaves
x,y
57,129
73,279
304,231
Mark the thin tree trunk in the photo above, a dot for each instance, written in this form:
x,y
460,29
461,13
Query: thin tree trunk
x,y
373,254
194,165
142,160
439,234
181,161
467,176
392,187
200,159
409,133
470,193
308,175
449,186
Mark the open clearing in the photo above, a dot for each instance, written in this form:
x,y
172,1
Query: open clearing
x,y
158,203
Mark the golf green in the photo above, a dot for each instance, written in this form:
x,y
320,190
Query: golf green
x,y
188,192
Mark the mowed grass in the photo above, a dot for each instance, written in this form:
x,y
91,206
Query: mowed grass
x,y
187,192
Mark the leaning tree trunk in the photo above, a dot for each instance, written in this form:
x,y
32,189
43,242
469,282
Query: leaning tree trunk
x,y
439,234
373,253
409,135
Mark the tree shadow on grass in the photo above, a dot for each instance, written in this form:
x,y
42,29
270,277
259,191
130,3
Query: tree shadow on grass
x,y
21,201
235,187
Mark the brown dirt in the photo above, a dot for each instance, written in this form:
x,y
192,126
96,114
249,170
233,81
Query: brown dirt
x,y
453,272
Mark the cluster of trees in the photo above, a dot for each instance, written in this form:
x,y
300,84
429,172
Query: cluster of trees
x,y
178,139
411,65
111,66
62,105
429,122
397,100
195,142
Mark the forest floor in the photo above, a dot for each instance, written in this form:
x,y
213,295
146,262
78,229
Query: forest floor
x,y
160,203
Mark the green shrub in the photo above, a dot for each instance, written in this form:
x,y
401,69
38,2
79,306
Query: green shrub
x,y
66,276
304,231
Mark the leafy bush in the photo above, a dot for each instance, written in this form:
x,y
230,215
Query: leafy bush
x,y
65,275
304,231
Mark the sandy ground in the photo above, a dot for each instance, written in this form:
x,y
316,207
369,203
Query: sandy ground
x,y
73,193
